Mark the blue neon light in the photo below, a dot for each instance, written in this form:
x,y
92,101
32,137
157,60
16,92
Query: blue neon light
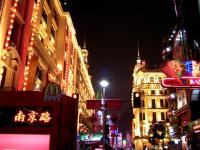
x,y
188,66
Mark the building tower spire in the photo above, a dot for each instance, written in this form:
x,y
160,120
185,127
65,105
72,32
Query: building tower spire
x,y
84,43
138,49
84,51
138,58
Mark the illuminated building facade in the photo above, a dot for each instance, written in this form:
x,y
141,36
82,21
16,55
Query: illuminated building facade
x,y
38,45
153,103
181,55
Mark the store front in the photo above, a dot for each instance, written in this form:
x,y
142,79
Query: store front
x,y
196,134
28,122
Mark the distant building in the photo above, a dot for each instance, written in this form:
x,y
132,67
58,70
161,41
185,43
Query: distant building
x,y
153,103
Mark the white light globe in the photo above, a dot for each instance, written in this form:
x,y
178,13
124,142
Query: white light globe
x,y
104,83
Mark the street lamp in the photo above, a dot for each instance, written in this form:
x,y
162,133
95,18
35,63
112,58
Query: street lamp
x,y
104,84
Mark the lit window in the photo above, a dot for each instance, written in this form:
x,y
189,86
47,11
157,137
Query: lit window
x,y
159,79
161,92
161,103
165,92
140,116
143,103
153,92
153,105
151,79
154,117
166,103
143,116
162,116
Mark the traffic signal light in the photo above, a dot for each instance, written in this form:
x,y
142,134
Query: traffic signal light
x,y
137,100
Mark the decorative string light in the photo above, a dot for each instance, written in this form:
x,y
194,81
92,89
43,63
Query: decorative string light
x,y
30,47
67,56
9,32
7,39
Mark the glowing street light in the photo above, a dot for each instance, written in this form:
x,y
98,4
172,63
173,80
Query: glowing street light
x,y
104,84
108,116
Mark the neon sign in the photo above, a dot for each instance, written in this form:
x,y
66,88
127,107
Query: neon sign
x,y
187,82
188,66
90,137
182,68
176,68
32,116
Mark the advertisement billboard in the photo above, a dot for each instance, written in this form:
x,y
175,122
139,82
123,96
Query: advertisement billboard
x,y
90,137
181,98
187,68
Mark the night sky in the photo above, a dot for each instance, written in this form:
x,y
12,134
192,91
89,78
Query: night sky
x,y
112,30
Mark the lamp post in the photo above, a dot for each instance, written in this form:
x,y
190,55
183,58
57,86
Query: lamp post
x,y
104,84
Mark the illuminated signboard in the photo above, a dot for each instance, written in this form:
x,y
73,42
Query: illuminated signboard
x,y
26,116
52,92
184,74
90,137
32,116
187,82
181,98
185,68
195,95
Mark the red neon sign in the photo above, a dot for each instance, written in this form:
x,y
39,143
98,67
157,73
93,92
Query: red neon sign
x,y
110,104
187,82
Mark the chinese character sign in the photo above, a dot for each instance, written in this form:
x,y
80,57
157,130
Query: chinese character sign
x,y
191,68
32,116
20,117
45,117
185,68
